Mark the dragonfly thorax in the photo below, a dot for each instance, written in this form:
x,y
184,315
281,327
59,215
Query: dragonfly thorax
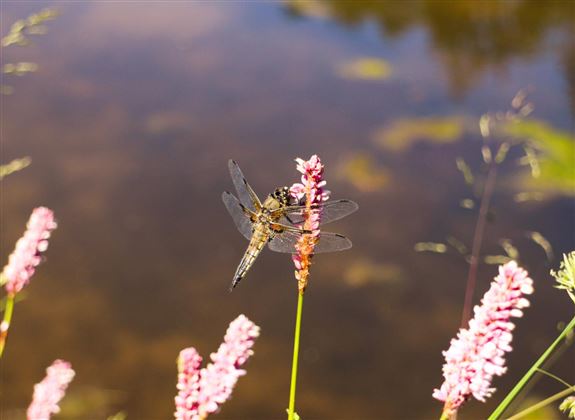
x,y
282,195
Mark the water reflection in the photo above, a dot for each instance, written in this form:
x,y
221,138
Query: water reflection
x,y
469,37
129,122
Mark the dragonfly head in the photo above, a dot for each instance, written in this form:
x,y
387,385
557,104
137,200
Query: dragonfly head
x,y
282,195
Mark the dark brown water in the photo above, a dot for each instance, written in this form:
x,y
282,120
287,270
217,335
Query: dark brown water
x,y
129,122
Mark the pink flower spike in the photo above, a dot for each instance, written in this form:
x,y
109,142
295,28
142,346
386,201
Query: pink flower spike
x,y
26,256
202,391
477,353
49,392
311,188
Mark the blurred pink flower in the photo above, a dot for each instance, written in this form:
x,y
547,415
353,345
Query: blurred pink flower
x,y
477,353
202,391
26,256
49,392
311,188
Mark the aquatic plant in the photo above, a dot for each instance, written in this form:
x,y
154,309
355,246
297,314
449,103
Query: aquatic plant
x,y
299,236
23,261
496,143
49,392
560,277
477,353
202,391
310,189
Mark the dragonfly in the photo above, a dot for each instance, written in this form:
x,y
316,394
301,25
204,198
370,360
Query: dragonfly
x,y
278,220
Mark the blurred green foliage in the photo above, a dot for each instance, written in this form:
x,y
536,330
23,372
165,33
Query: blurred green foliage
x,y
19,69
540,240
18,35
362,272
544,413
32,25
14,166
436,247
555,157
401,134
84,402
311,8
366,68
362,171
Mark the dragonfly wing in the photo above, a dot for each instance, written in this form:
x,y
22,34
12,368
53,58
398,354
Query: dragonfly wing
x,y
246,195
329,211
241,219
328,242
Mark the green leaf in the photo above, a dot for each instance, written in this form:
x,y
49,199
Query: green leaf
x,y
496,259
19,69
510,250
486,153
14,166
465,170
430,247
542,242
457,244
528,196
502,152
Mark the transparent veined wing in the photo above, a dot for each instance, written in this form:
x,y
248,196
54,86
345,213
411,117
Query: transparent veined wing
x,y
328,242
241,219
329,211
246,195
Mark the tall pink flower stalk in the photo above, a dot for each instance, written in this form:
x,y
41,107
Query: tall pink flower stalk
x,y
311,188
202,391
27,254
23,262
49,392
477,353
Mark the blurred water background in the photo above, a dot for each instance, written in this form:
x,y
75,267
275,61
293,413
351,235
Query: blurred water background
x,y
129,121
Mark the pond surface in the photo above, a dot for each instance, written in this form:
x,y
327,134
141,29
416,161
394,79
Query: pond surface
x,y
129,121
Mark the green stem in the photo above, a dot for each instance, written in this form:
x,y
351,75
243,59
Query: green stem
x,y
543,403
519,386
8,310
291,409
557,378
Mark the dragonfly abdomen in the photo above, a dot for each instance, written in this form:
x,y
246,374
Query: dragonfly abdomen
x,y
259,239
